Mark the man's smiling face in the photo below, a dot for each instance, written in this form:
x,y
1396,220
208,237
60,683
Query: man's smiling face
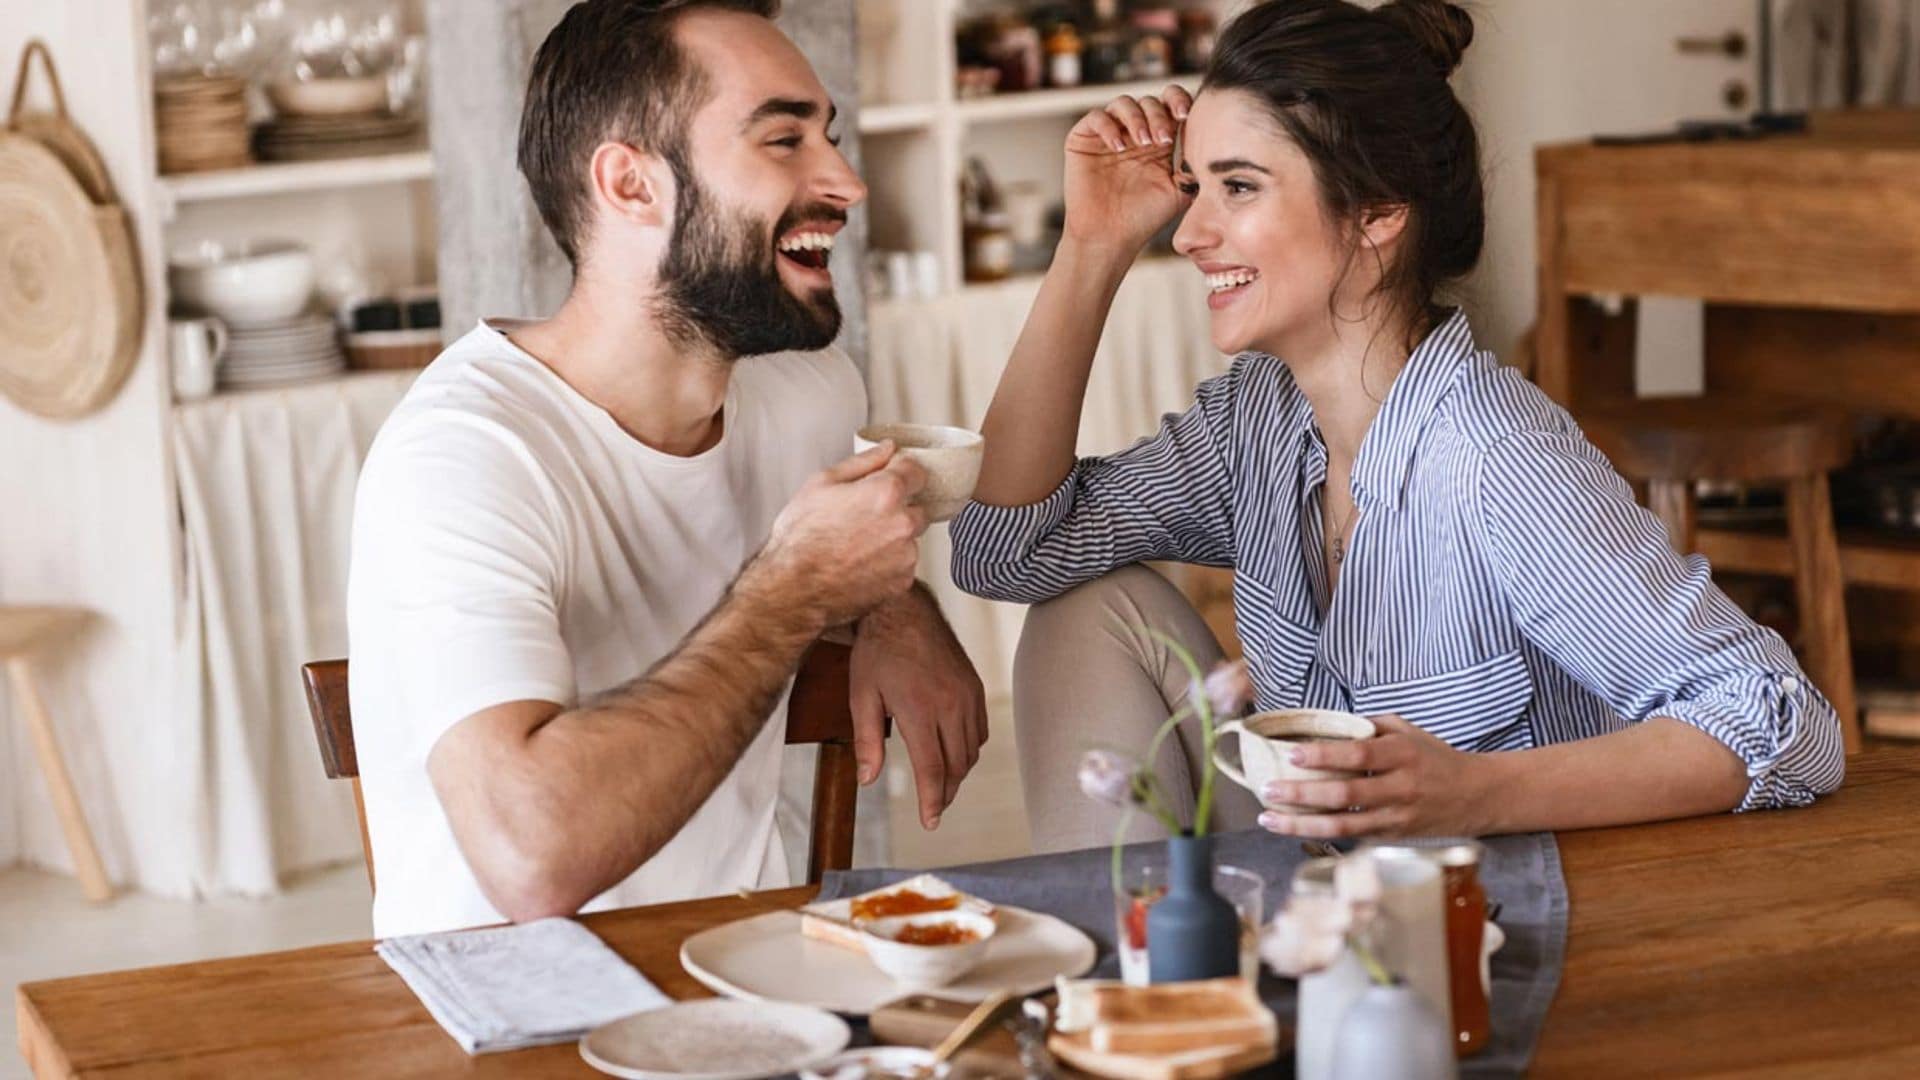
x,y
762,192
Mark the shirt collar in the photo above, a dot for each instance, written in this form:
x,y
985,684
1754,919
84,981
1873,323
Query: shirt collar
x,y
1386,454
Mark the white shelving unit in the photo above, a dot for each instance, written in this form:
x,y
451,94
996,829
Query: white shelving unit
x,y
289,178
372,212
917,135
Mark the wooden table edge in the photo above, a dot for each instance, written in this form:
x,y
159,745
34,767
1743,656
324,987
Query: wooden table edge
x,y
43,1055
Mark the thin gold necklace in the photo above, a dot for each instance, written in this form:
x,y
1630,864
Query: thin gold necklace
x,y
1339,546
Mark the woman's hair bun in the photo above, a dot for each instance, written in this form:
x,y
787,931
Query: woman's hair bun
x,y
1443,30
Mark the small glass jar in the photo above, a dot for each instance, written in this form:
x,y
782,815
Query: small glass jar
x,y
1013,44
1198,33
1459,861
989,247
1063,56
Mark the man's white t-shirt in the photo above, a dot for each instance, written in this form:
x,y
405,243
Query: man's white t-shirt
x,y
512,542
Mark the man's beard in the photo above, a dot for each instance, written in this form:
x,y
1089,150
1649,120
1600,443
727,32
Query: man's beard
x,y
720,285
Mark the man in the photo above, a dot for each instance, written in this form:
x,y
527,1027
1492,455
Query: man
x,y
588,552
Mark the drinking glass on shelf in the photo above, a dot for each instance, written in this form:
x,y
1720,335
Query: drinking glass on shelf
x,y
1143,881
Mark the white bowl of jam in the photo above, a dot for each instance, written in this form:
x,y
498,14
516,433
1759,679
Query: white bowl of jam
x,y
928,950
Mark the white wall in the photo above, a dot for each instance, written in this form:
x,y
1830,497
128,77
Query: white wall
x,y
85,505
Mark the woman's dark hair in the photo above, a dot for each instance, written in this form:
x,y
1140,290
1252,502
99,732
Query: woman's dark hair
x,y
1364,94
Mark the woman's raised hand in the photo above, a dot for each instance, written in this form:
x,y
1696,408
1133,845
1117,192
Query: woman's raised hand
x,y
1120,184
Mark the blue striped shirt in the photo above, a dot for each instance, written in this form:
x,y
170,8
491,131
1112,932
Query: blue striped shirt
x,y
1502,589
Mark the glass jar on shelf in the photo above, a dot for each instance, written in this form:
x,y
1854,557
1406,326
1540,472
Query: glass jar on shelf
x,y
1063,56
1013,46
1155,31
988,247
1198,33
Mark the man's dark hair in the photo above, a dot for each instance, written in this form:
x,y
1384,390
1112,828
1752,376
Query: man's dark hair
x,y
611,70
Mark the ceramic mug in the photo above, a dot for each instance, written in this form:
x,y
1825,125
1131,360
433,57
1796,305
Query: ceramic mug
x,y
951,457
1267,741
196,346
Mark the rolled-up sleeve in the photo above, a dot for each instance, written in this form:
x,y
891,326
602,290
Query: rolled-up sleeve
x,y
1594,583
1169,496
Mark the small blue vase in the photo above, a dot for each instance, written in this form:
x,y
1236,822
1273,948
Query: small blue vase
x,y
1192,932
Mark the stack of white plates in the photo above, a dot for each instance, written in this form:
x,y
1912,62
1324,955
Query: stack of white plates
x,y
269,354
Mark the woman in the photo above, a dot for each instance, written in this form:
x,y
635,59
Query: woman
x,y
1417,533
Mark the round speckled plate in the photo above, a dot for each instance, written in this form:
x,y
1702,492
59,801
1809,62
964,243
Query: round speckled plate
x,y
715,1040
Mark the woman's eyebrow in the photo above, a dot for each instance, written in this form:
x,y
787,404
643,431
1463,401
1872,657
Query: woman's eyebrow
x,y
1228,165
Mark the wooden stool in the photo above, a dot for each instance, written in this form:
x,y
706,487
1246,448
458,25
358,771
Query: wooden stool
x,y
1670,443
25,631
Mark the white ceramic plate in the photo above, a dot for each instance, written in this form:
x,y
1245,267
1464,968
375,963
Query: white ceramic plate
x,y
715,1040
765,958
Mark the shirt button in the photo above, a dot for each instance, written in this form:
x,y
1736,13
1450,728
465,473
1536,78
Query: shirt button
x,y
1790,685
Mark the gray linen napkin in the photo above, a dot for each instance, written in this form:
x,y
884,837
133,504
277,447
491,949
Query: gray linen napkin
x,y
1521,872
509,987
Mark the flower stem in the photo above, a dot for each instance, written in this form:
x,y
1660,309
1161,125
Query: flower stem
x,y
1196,699
1375,970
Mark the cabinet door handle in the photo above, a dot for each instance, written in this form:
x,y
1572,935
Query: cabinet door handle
x,y
1732,44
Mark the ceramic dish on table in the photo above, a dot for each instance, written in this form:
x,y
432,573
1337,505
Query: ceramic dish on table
x,y
715,1040
766,958
922,952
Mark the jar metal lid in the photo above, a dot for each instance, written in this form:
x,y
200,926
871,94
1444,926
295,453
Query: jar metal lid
x,y
1447,851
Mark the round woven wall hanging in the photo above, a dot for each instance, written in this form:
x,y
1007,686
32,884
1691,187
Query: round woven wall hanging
x,y
70,297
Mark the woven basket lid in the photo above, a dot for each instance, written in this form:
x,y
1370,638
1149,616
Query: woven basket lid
x,y
70,297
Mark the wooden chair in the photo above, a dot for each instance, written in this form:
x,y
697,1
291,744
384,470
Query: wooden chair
x,y
26,632
1668,443
817,714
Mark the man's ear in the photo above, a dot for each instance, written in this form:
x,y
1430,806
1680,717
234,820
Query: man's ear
x,y
1381,226
632,183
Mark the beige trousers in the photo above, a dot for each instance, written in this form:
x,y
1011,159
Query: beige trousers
x,y
1087,676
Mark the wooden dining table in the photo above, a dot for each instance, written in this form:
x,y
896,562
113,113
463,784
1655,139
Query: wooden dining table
x,y
1767,944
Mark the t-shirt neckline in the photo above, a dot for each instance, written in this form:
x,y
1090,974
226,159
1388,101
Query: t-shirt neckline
x,y
609,427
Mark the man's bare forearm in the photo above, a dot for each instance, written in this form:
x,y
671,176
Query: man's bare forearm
x,y
1033,425
595,791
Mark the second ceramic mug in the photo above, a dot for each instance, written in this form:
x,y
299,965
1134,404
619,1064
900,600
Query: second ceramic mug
x,y
1267,741
950,455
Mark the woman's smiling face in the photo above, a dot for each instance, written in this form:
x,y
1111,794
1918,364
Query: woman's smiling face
x,y
1257,228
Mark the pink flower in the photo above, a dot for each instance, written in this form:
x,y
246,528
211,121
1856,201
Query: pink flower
x,y
1227,689
1107,776
1306,937
1310,932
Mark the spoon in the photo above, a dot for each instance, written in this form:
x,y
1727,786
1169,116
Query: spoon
x,y
977,1022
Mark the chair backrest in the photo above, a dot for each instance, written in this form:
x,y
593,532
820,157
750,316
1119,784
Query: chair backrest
x,y
817,714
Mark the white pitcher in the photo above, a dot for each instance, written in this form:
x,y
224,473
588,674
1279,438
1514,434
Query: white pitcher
x,y
195,347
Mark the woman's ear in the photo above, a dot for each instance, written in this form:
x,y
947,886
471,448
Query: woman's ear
x,y
1381,226
631,183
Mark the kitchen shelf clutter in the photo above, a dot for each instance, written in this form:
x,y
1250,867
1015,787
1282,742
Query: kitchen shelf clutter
x,y
965,105
293,183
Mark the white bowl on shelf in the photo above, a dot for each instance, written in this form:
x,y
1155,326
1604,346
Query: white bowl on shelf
x,y
248,283
344,96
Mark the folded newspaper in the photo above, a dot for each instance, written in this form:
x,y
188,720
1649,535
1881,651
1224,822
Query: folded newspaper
x,y
510,987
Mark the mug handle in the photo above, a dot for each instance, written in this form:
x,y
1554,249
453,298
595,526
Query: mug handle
x,y
217,339
1233,774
